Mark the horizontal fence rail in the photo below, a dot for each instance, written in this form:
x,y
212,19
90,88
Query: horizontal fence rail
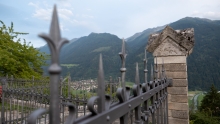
x,y
62,101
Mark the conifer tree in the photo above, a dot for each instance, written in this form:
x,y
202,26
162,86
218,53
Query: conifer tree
x,y
211,102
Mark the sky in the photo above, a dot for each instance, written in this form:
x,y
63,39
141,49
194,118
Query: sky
x,y
79,18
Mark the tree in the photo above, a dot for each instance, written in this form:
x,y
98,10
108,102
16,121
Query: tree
x,y
209,110
18,59
211,102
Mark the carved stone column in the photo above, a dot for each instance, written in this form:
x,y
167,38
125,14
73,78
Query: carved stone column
x,y
172,47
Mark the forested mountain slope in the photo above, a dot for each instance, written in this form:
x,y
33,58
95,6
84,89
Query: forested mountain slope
x,y
80,58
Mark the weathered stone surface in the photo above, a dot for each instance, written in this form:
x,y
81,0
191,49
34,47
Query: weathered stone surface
x,y
172,48
171,60
169,97
172,120
184,38
169,47
176,75
180,82
172,67
178,106
169,113
179,98
177,90
180,114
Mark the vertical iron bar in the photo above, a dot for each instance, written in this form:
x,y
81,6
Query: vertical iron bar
x,y
145,66
166,110
55,43
63,108
22,107
123,69
124,118
138,108
69,79
10,109
101,87
61,84
146,106
157,94
161,96
152,98
3,98
158,114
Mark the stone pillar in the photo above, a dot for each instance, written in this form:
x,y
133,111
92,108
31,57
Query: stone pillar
x,y
172,48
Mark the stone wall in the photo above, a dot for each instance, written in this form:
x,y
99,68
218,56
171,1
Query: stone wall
x,y
171,48
176,68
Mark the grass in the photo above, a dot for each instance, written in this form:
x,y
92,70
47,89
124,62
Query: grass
x,y
16,107
129,84
200,98
190,101
69,65
101,49
191,95
194,92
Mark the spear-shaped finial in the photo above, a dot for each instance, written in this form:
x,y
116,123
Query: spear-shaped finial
x,y
101,87
54,27
55,43
123,48
123,69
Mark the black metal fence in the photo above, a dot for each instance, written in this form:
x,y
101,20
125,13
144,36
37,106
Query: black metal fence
x,y
61,101
20,97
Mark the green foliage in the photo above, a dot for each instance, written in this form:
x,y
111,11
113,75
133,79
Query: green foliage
x,y
69,65
202,118
85,54
211,102
209,110
19,60
102,49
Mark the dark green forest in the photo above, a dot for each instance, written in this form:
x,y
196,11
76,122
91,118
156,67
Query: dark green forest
x,y
79,58
209,111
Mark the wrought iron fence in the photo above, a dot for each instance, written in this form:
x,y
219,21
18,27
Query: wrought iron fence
x,y
21,97
142,103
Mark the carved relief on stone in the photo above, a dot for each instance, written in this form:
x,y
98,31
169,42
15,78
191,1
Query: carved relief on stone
x,y
169,47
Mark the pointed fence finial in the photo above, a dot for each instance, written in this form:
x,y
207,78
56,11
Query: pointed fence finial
x,y
55,42
123,69
101,87
54,27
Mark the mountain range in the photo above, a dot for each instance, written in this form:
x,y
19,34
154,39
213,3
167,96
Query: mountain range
x,y
79,57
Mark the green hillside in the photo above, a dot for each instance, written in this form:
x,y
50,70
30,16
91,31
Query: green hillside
x,y
80,58
204,63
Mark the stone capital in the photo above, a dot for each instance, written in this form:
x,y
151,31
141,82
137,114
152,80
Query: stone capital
x,y
171,42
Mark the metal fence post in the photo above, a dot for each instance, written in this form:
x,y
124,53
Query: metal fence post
x,y
3,82
123,119
55,43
